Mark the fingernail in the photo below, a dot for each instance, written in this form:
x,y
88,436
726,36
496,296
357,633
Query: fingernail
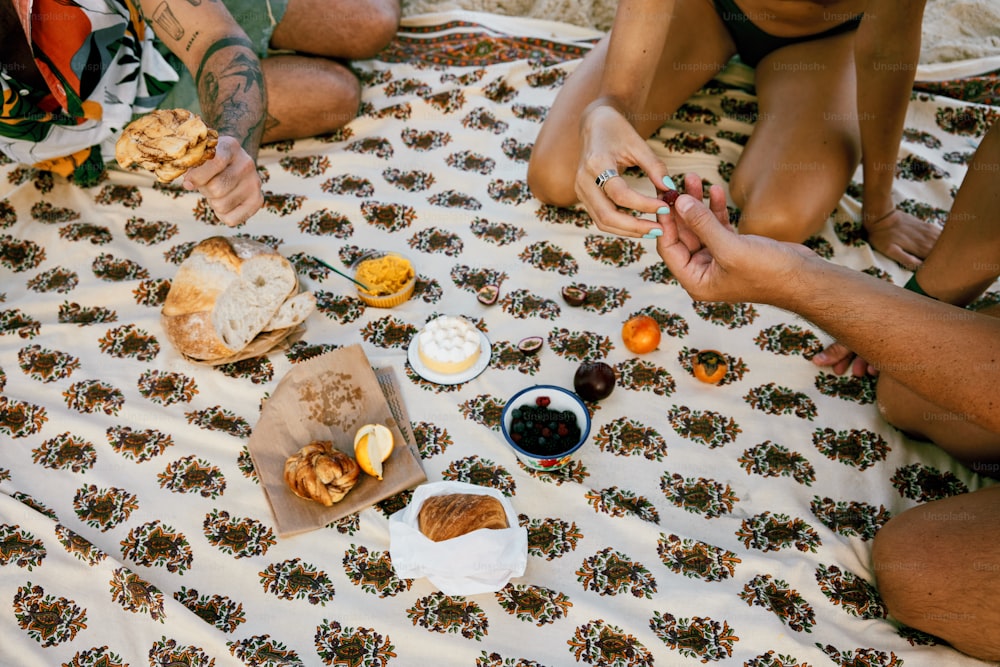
x,y
663,210
669,183
653,233
683,204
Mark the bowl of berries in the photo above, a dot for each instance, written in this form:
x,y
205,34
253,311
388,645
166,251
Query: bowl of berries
x,y
545,425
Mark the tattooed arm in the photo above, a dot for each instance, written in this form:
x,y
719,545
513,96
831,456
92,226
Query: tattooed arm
x,y
231,91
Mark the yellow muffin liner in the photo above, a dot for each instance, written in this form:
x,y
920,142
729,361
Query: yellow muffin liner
x,y
389,300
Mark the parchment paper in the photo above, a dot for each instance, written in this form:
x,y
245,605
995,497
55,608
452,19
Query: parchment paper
x,y
329,398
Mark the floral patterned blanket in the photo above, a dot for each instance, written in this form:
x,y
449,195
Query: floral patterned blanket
x,y
725,524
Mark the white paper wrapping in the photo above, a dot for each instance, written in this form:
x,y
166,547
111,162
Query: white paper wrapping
x,y
482,561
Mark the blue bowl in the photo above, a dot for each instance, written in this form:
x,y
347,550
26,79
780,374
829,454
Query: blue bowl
x,y
560,399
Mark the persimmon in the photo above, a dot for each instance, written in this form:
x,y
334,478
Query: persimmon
x,y
641,334
709,366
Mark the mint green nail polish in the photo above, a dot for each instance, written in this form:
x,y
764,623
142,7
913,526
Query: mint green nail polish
x,y
663,210
669,183
653,233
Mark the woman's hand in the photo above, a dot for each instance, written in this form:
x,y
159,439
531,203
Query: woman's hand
x,y
903,238
229,182
610,142
839,357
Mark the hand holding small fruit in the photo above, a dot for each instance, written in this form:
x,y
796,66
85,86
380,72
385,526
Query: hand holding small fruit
x,y
611,143
714,263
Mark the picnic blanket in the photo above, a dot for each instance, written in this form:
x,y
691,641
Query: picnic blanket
x,y
724,524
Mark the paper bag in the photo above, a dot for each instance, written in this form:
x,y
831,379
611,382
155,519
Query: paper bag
x,y
330,397
478,562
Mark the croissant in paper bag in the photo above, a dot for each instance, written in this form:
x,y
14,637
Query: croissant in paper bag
x,y
446,516
321,472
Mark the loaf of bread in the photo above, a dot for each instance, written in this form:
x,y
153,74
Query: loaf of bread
x,y
226,292
446,516
167,142
321,472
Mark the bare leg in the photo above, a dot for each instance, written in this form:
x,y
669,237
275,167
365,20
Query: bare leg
x,y
953,432
806,143
937,570
964,262
689,60
309,92
349,29
307,96
966,258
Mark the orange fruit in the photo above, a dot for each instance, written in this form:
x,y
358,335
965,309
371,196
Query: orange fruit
x,y
709,366
641,334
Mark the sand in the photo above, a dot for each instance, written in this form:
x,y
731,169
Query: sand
x,y
954,30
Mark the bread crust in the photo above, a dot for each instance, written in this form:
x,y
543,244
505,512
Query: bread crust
x,y
213,266
451,515
321,472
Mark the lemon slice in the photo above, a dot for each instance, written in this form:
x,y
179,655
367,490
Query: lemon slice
x,y
372,445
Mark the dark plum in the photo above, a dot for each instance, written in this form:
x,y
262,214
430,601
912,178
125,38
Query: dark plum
x,y
594,380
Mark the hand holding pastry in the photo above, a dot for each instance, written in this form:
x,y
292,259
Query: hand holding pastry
x,y
175,142
229,182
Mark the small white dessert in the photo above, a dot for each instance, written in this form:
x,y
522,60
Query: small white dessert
x,y
449,344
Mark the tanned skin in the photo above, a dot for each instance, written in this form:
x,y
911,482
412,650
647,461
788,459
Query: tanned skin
x,y
850,92
935,565
308,92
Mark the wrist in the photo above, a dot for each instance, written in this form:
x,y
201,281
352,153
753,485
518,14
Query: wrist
x,y
792,286
871,219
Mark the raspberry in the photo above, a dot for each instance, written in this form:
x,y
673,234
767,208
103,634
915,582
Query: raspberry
x,y
543,401
670,196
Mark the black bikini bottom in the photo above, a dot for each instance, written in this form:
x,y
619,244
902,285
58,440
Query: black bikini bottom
x,y
752,43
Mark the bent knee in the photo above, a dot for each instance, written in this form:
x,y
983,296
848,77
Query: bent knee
x,y
934,565
549,184
778,211
381,26
780,223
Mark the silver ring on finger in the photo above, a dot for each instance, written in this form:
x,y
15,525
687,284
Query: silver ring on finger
x,y
605,176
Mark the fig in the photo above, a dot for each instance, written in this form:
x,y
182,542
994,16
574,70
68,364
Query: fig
x,y
488,294
670,196
594,381
574,296
530,345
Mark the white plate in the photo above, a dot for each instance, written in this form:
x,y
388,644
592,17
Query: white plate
x,y
413,356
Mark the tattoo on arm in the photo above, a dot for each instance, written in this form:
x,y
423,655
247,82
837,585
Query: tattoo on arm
x,y
165,19
231,89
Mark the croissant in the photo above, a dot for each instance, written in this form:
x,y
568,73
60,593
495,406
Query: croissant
x,y
167,142
450,515
321,472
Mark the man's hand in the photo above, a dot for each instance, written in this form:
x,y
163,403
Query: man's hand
x,y
714,263
229,182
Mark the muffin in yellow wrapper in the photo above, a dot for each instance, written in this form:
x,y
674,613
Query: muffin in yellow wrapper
x,y
389,276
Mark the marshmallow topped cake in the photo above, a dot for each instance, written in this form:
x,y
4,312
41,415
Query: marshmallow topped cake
x,y
449,344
